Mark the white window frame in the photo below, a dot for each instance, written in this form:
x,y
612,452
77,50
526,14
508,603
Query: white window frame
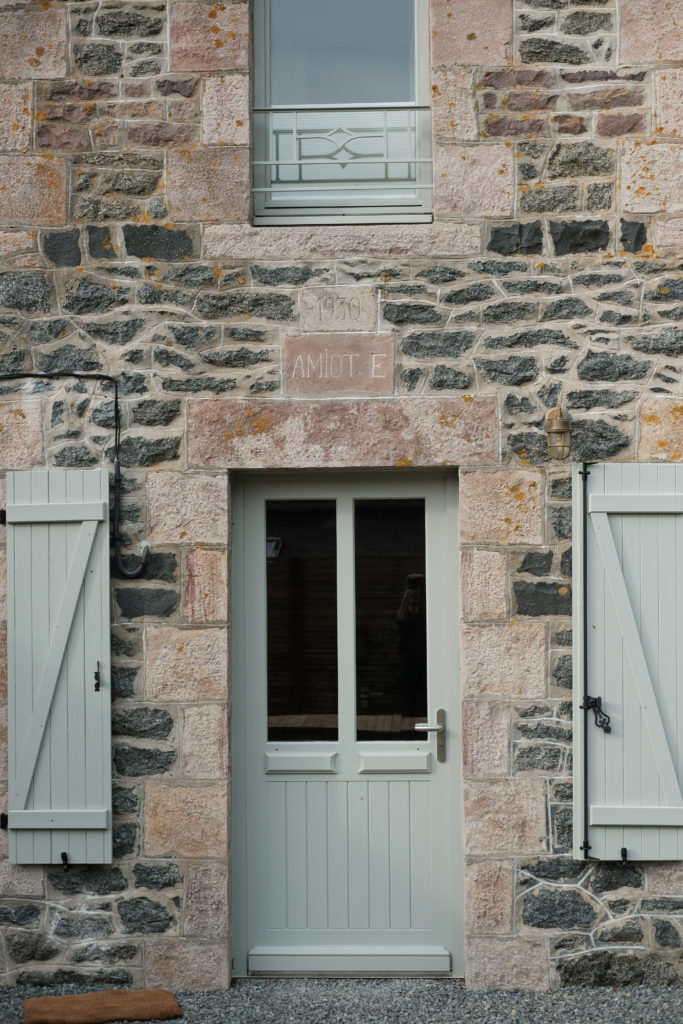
x,y
399,210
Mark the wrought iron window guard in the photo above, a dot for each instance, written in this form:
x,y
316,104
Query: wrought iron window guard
x,y
339,156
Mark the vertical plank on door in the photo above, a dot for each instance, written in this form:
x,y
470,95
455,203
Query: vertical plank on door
x,y
70,700
297,860
338,855
378,837
399,857
645,600
420,855
275,888
667,628
359,896
94,702
316,853
24,696
612,665
44,785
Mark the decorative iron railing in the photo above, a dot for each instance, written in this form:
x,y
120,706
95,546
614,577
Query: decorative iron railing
x,y
355,155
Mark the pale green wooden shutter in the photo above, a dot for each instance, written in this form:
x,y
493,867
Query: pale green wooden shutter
x,y
58,639
630,519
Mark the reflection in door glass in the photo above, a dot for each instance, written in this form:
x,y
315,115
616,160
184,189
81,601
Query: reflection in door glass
x,y
391,627
301,580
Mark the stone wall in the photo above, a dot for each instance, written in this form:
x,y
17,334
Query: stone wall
x,y
551,274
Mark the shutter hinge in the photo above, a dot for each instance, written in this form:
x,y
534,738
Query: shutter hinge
x,y
65,861
98,681
3,517
624,858
594,704
4,821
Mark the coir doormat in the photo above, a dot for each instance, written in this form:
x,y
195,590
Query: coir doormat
x,y
101,1007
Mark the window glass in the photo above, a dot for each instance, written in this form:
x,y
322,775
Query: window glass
x,y
332,52
301,582
391,625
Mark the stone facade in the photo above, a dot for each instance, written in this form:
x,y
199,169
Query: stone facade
x,y
551,274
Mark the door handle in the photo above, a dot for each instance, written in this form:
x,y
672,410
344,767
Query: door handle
x,y
440,730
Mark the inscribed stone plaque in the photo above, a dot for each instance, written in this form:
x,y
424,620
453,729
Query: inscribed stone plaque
x,y
339,364
339,309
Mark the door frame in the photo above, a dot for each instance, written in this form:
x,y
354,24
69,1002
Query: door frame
x,y
454,830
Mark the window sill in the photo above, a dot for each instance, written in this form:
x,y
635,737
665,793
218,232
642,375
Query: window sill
x,y
389,218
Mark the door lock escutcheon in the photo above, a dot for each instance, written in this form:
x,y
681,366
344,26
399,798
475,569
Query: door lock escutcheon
x,y
440,730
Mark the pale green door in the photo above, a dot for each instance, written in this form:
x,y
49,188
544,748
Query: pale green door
x,y
345,840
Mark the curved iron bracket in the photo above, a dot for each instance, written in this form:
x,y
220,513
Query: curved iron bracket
x,y
129,574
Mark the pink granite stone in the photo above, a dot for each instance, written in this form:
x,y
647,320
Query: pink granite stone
x,y
665,878
486,737
16,123
225,111
205,741
339,309
661,430
242,241
669,234
509,660
651,177
186,664
669,101
483,585
239,434
33,42
169,809
188,508
488,897
206,903
32,190
470,32
209,184
21,436
505,816
506,964
339,364
453,114
474,181
14,242
186,964
21,880
501,508
651,30
209,37
206,586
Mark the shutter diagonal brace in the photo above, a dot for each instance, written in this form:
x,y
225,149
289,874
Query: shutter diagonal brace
x,y
53,663
636,656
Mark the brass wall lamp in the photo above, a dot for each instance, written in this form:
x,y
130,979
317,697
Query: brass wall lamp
x,y
559,433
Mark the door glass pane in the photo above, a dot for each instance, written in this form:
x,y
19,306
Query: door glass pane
x,y
301,580
358,51
391,628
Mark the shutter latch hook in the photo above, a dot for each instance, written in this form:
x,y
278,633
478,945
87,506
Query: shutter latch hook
x,y
594,704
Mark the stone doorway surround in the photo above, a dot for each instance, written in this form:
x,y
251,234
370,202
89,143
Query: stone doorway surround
x,y
497,507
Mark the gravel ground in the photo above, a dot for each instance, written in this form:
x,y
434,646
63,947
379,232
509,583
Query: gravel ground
x,y
399,1001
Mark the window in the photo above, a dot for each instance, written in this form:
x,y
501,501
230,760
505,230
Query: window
x,y
342,126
